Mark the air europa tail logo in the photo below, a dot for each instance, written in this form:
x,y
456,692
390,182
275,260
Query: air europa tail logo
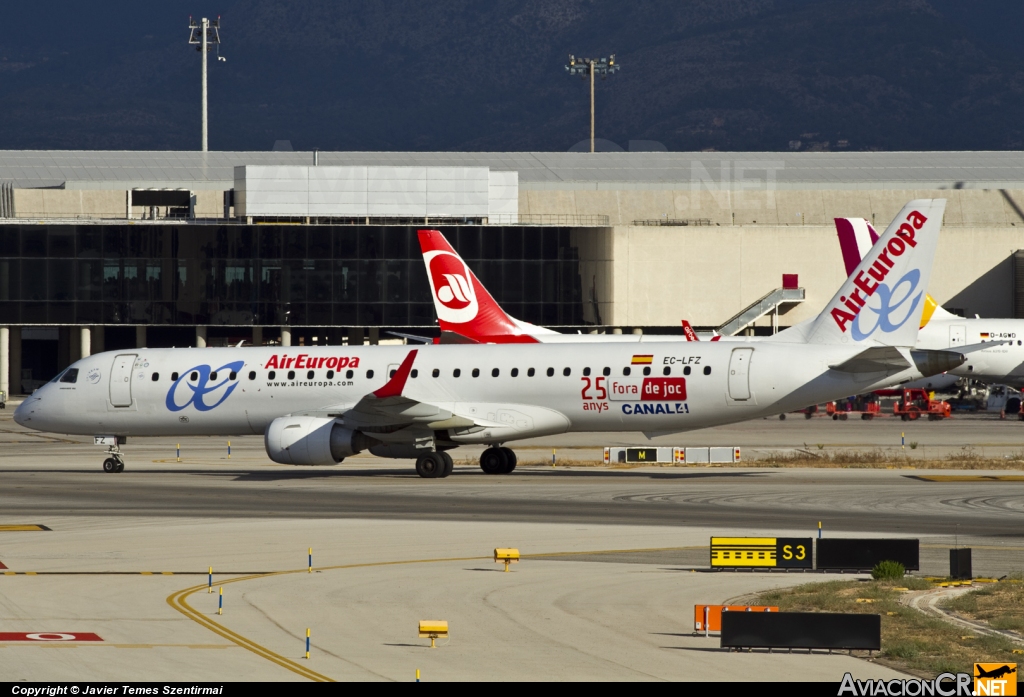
x,y
895,299
452,285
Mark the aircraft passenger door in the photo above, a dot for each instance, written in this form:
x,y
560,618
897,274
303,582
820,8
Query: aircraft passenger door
x,y
121,380
739,374
957,335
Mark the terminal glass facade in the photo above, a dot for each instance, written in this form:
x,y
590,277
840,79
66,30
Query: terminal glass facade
x,y
271,275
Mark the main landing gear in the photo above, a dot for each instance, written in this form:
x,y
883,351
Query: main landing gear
x,y
114,461
434,465
497,460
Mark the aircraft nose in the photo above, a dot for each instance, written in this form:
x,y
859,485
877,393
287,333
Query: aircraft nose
x,y
23,414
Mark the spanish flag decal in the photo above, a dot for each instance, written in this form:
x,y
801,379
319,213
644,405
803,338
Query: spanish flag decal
x,y
643,360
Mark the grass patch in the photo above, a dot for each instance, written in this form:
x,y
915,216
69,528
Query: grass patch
x,y
1000,605
911,641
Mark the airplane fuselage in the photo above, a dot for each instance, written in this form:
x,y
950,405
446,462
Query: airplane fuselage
x,y
523,390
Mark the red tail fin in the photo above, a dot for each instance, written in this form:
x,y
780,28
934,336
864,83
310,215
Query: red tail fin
x,y
688,331
463,305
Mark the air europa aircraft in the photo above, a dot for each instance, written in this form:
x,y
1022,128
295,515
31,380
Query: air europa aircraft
x,y
318,405
994,348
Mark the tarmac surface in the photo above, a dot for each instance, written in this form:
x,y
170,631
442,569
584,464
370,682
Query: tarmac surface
x,y
615,556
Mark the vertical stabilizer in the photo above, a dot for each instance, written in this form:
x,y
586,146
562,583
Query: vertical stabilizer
x,y
462,303
883,299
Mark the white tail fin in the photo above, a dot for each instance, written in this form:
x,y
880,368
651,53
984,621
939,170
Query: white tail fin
x,y
882,300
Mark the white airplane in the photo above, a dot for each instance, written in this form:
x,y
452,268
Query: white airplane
x,y
318,405
994,349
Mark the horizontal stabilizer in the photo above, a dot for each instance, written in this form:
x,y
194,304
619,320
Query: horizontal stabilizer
x,y
971,348
877,359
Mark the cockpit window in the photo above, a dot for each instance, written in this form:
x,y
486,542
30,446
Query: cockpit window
x,y
57,377
71,375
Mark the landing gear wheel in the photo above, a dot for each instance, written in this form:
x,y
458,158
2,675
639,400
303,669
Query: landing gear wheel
x,y
430,465
120,467
510,460
448,464
782,417
110,465
494,461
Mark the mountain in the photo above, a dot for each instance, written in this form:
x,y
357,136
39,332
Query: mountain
x,y
460,75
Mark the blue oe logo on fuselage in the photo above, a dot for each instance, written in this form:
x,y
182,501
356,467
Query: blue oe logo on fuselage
x,y
202,391
899,300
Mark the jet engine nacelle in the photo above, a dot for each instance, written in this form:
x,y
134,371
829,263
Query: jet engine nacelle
x,y
312,440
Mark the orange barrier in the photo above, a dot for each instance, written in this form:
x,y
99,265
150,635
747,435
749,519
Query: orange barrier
x,y
708,618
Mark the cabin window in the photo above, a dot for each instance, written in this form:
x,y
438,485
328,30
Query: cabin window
x,y
349,374
415,373
330,374
435,373
530,373
567,372
213,375
686,370
707,370
606,372
272,374
456,373
392,373
626,371
515,372
666,370
495,372
369,374
194,376
291,374
174,377
252,374
71,375
586,371
476,372
232,375
647,370
551,372
309,375
156,377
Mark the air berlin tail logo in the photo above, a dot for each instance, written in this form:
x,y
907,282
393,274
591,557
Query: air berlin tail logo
x,y
452,285
457,293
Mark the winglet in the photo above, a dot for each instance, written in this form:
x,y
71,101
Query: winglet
x,y
688,331
396,384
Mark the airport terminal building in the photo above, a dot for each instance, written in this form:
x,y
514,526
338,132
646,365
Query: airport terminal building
x,y
112,250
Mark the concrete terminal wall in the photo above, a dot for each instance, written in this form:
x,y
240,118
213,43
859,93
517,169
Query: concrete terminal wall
x,y
657,276
786,207
99,204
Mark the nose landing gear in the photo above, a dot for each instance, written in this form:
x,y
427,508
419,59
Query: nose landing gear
x,y
498,461
114,461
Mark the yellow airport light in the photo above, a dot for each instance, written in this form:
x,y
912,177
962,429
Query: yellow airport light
x,y
506,555
433,629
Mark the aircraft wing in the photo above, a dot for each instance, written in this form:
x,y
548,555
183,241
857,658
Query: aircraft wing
x,y
387,409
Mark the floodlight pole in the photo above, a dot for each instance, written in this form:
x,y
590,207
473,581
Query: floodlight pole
x,y
592,66
591,105
206,25
202,34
